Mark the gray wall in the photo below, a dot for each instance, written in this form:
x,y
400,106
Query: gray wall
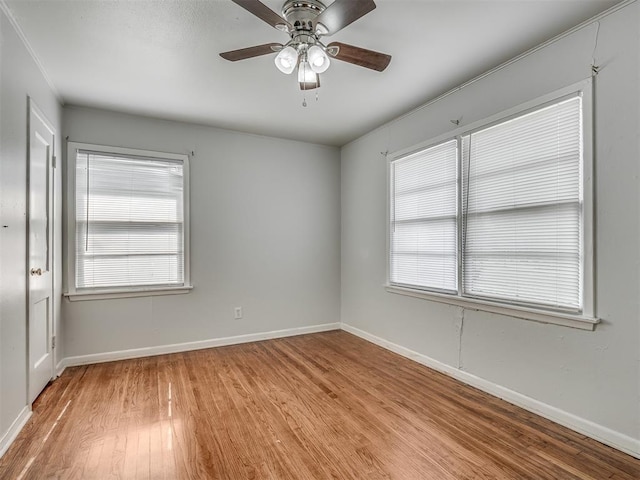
x,y
19,78
265,235
593,375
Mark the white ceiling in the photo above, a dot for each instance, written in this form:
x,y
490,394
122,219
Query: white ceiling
x,y
160,59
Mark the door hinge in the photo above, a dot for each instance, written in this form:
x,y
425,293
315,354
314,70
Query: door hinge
x,y
53,342
54,161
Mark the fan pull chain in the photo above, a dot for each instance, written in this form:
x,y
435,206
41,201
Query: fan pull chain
x,y
304,84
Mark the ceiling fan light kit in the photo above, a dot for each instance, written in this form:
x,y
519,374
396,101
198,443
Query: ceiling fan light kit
x,y
306,21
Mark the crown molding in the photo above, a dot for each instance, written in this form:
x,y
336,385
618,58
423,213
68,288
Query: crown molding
x,y
16,26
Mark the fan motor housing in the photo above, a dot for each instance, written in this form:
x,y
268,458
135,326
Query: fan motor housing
x,y
302,13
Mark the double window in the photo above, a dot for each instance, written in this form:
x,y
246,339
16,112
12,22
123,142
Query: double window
x,y
128,217
497,213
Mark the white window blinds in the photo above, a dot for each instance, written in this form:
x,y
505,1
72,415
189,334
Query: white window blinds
x,y
522,209
129,221
423,233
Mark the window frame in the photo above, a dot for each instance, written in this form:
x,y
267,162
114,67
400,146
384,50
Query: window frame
x,y
584,319
72,292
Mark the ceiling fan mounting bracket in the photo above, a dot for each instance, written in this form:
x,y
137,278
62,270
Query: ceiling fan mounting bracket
x,y
301,14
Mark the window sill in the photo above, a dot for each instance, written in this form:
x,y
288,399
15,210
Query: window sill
x,y
556,318
129,293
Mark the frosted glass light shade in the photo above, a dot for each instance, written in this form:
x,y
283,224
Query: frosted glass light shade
x,y
305,73
318,59
307,78
286,60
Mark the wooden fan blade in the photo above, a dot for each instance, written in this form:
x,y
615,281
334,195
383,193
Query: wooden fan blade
x,y
342,13
250,52
264,13
361,56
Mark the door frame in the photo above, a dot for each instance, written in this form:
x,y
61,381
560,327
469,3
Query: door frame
x,y
33,109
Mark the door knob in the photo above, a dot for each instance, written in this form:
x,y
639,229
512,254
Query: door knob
x,y
36,271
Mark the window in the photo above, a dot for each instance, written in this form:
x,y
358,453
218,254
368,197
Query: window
x,y
522,202
128,220
424,217
497,213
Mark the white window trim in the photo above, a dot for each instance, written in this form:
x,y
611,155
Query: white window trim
x,y
586,319
74,294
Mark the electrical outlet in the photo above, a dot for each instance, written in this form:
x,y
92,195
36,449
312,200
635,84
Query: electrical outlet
x,y
237,313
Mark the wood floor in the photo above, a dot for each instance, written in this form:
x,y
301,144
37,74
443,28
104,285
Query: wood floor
x,y
326,405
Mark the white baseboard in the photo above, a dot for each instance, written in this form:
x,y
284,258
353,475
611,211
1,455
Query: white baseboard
x,y
62,364
586,427
185,347
8,438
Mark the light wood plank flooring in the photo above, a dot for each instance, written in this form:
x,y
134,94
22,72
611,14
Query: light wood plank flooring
x,y
321,406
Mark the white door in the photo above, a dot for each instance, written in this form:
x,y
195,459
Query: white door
x,y
39,274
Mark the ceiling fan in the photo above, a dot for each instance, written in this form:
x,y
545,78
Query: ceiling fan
x,y
306,22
